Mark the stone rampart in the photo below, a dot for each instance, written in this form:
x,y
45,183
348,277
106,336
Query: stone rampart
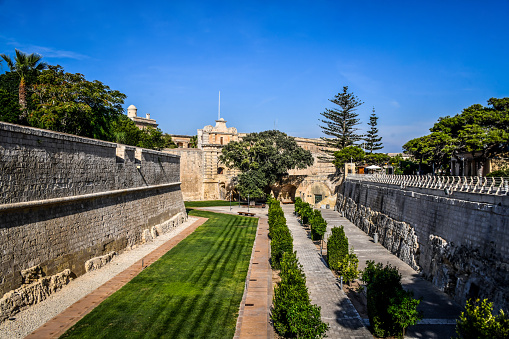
x,y
66,199
459,241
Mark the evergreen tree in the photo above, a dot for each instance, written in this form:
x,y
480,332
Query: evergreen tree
x,y
340,122
371,138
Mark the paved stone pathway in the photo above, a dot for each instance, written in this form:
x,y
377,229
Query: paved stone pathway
x,y
324,290
65,320
439,310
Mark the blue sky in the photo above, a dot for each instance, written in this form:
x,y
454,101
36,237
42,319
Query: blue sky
x,y
276,63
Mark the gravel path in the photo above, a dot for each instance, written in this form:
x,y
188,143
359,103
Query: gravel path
x,y
37,315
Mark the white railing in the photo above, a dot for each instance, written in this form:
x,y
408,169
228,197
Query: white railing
x,y
482,185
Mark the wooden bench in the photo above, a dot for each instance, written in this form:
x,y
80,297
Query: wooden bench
x,y
247,214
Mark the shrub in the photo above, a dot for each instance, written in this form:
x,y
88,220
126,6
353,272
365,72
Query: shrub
x,y
318,225
305,212
348,267
281,238
298,205
477,321
391,309
292,313
337,248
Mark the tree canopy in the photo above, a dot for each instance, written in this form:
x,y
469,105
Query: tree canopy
x,y
67,102
264,158
481,131
26,67
340,121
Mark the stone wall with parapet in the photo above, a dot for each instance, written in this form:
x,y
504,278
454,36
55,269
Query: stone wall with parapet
x,y
66,199
191,172
460,242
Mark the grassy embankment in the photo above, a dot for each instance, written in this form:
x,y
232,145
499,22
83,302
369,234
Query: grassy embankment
x,y
193,291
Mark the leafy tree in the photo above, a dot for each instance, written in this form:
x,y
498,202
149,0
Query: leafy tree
x,y
152,138
25,66
377,159
340,122
9,101
371,138
193,143
125,131
67,102
264,159
391,309
477,321
478,130
168,141
348,154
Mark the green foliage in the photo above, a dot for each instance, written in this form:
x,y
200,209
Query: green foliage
x,y
477,321
298,205
264,158
480,131
67,102
348,154
318,225
292,314
499,173
378,159
125,131
306,212
281,238
348,267
373,141
340,122
391,309
26,66
337,248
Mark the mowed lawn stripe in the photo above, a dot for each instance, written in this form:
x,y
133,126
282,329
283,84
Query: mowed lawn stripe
x,y
193,291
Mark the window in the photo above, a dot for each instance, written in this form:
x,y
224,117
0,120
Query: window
x,y
318,198
220,169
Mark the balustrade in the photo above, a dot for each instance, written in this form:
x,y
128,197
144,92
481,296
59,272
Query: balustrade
x,y
450,184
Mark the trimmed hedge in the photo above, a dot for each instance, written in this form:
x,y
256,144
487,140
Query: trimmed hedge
x,y
281,238
341,261
293,315
318,225
391,309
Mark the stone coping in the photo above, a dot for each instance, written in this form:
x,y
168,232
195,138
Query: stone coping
x,y
52,201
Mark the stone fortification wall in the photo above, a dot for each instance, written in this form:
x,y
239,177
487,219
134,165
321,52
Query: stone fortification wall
x,y
66,199
191,172
459,241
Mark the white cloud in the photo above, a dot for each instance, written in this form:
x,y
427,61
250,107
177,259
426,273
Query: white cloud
x,y
46,52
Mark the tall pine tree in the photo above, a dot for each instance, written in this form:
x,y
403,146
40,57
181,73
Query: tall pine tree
x,y
340,122
371,138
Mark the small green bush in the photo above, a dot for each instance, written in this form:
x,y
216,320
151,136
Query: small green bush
x,y
477,321
391,309
349,267
281,238
318,225
298,205
337,248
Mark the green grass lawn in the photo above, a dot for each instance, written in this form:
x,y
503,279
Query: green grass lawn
x,y
209,203
193,291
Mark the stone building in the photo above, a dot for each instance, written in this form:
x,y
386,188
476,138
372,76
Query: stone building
x,y
140,122
204,177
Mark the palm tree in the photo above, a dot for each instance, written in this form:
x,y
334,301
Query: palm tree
x,y
24,65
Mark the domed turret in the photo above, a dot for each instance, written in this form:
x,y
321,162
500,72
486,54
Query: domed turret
x,y
131,111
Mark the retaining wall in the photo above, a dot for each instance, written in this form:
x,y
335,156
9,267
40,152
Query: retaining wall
x,y
66,199
460,242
